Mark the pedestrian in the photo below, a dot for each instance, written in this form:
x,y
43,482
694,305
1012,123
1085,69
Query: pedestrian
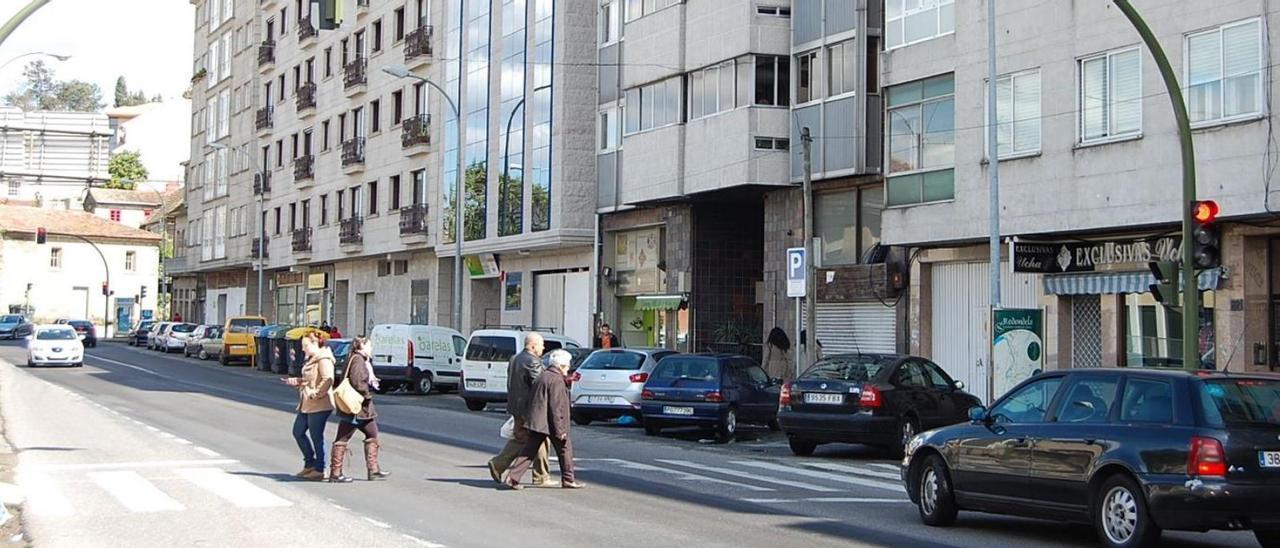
x,y
548,421
523,369
777,356
359,372
607,339
314,405
333,332
177,316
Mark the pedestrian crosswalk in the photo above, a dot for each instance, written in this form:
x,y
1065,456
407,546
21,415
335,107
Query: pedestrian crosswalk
x,y
767,481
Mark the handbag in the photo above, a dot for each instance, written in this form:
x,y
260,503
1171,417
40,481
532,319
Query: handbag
x,y
508,431
345,397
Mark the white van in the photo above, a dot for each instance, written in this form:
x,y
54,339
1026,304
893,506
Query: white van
x,y
435,354
484,371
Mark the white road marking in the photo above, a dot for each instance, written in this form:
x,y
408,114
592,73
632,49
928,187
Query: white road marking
x,y
421,542
234,489
821,475
893,476
750,476
152,429
207,452
180,441
43,497
859,500
134,492
125,465
680,474
377,523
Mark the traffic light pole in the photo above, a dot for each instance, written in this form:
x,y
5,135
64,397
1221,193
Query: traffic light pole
x,y
1190,283
106,297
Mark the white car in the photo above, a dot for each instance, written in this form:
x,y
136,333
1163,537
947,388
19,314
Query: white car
x,y
484,367
435,354
54,345
174,339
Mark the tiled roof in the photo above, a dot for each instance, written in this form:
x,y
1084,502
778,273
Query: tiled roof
x,y
25,220
107,196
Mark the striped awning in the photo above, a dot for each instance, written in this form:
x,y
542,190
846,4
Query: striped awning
x,y
1102,283
659,302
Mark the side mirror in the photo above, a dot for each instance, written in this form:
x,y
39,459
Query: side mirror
x,y
959,385
977,414
775,381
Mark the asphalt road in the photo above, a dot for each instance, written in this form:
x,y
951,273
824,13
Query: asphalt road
x,y
144,449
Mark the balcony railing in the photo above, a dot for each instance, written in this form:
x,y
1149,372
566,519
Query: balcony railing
x,y
174,265
263,118
418,42
261,183
413,219
304,168
302,239
266,53
355,73
416,130
306,97
353,151
351,231
306,30
260,245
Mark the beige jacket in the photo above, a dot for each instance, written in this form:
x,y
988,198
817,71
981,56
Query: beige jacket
x,y
317,380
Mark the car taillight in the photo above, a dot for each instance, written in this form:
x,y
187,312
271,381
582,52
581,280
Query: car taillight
x,y
715,397
408,360
784,398
646,395
639,377
576,377
1206,458
871,397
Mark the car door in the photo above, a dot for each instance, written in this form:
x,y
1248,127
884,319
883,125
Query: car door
x,y
992,459
1068,445
738,389
912,395
953,402
764,391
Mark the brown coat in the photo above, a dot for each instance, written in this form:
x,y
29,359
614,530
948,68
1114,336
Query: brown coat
x,y
317,380
358,373
549,404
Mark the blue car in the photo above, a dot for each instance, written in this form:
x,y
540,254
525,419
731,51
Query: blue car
x,y
716,391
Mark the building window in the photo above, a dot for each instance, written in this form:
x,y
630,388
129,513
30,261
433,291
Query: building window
x,y
324,135
399,24
375,116
1224,72
773,143
356,203
911,21
419,187
711,90
921,141
842,72
653,106
55,258
609,27
1110,95
808,77
115,215
341,207
395,192
773,81
130,261
324,209
1018,113
397,106
277,220
848,223
373,197
328,62
279,153
774,11
610,134
376,46
640,8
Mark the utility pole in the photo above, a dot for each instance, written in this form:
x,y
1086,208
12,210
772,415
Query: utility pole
x,y
811,342
1190,282
993,147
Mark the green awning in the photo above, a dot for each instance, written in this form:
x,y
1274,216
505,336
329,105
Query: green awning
x,y
658,302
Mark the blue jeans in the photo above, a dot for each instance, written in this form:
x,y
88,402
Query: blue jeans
x,y
312,447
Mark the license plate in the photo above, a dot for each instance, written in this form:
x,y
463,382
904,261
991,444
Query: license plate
x,y
668,410
829,399
599,399
1269,459
475,384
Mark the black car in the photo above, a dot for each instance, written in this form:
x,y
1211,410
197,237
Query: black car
x,y
88,334
872,399
709,390
1130,451
138,337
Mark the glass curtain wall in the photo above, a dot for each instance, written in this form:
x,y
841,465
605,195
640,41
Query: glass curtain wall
x,y
477,116
511,176
453,83
543,28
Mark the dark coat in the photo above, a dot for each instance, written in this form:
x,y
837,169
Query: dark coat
x,y
358,374
522,370
613,341
549,404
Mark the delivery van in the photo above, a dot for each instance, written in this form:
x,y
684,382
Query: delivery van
x,y
484,371
422,357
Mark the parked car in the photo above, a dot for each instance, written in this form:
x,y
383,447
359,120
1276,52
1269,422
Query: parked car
x,y
54,345
86,331
1130,451
341,349
175,337
211,345
138,336
9,324
157,331
872,399
199,341
484,367
608,384
709,390
577,356
423,357
238,342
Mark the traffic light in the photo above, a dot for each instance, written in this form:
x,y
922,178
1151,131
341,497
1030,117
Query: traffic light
x,y
41,236
105,290
1206,235
1165,290
143,293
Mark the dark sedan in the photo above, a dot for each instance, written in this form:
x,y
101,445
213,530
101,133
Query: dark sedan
x,y
874,399
88,334
1129,451
709,390
138,337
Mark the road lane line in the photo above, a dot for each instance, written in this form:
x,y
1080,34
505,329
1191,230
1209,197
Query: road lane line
x,y
376,523
43,497
421,542
680,474
892,476
125,465
748,475
134,492
234,489
820,475
859,500
207,452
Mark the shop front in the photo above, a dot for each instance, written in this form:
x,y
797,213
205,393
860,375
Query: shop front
x,y
646,314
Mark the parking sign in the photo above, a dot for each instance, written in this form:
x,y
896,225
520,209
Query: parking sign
x,y
796,281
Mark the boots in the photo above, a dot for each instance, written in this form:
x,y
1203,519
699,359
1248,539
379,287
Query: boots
x,y
335,463
371,460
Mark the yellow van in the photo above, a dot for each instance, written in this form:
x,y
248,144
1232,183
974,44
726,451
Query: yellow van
x,y
238,338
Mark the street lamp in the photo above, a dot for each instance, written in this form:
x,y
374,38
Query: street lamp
x,y
401,71
57,56
506,145
262,228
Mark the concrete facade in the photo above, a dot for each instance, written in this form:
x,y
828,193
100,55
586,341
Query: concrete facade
x,y
52,158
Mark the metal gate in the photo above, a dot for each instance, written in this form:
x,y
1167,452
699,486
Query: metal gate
x,y
1086,331
856,328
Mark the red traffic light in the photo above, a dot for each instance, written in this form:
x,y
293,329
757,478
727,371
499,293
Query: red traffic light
x,y
41,235
1204,211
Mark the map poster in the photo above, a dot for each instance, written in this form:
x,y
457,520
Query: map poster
x,y
1017,349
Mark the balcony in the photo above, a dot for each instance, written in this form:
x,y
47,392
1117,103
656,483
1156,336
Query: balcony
x,y
413,221
260,245
305,100
351,232
302,241
306,31
417,46
304,170
415,134
263,119
262,183
355,75
266,55
175,265
353,155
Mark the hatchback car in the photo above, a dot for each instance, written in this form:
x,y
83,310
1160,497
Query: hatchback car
x,y
157,331
9,324
1129,451
873,399
86,331
54,345
138,335
609,383
175,337
709,390
196,341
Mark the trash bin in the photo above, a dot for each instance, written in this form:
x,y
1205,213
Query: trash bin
x,y
280,350
294,356
262,348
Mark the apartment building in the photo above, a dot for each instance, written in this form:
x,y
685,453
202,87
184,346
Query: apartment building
x,y
1089,177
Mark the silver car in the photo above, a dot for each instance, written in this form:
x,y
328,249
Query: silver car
x,y
608,384
157,334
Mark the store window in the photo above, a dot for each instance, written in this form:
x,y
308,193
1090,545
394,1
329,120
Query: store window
x,y
921,141
848,223
1153,332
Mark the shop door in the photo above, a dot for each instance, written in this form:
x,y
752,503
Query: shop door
x,y
560,302
222,309
1086,331
856,328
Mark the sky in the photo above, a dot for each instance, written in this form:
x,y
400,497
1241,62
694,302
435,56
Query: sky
x,y
149,42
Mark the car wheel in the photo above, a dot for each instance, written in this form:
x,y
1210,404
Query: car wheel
x,y
31,363
1268,539
203,355
475,405
651,429
79,364
907,429
1120,514
937,504
728,426
581,419
424,384
802,448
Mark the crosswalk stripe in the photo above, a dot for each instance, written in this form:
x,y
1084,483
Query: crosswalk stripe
x,y
43,497
682,475
893,476
126,465
234,489
750,476
820,475
134,492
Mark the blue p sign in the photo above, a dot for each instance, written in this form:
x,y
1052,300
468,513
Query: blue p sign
x,y
796,272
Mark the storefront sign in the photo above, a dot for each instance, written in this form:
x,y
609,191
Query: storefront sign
x,y
1017,349
1055,257
289,278
484,265
319,280
636,257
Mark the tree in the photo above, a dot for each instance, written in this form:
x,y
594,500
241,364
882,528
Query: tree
x,y
126,170
123,98
122,92
42,91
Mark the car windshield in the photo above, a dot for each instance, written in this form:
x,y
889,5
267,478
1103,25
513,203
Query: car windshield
x,y
618,361
847,368
183,328
57,335
11,318
1241,401
145,325
246,325
492,349
689,372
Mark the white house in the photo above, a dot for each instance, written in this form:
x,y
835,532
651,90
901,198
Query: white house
x,y
131,208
